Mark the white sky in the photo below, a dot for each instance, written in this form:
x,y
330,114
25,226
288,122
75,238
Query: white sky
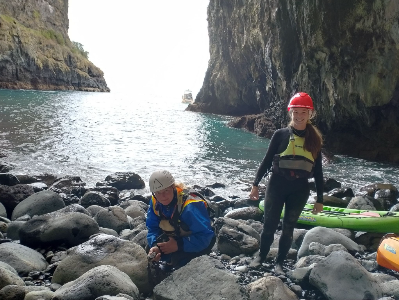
x,y
158,45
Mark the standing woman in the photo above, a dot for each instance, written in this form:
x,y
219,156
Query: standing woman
x,y
294,154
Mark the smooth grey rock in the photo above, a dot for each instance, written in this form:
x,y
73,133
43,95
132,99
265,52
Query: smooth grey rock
x,y
245,213
104,250
40,295
300,275
336,276
271,288
326,236
22,258
6,266
120,296
135,211
96,282
108,231
94,209
203,278
114,217
70,228
18,292
38,204
8,277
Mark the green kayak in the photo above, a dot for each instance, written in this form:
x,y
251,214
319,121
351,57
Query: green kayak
x,y
359,220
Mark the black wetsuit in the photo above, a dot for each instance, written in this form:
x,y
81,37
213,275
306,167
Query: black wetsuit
x,y
282,191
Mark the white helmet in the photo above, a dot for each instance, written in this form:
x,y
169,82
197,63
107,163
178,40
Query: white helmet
x,y
160,180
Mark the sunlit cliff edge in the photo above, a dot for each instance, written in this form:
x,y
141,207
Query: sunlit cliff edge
x,y
343,53
36,52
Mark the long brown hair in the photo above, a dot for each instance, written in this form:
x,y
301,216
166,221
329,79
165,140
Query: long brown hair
x,y
313,137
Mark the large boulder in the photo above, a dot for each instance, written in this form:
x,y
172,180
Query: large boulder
x,y
341,276
103,249
203,278
99,281
114,217
125,181
10,196
70,228
38,204
22,258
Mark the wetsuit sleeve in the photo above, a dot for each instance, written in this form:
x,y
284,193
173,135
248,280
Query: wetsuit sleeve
x,y
318,178
268,159
195,216
152,223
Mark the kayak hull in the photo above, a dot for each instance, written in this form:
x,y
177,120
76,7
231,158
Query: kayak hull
x,y
388,253
354,219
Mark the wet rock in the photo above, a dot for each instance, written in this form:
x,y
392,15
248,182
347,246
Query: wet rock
x,y
44,294
9,278
330,184
94,209
3,212
270,287
16,292
245,213
4,167
136,209
38,186
334,201
13,229
371,240
216,185
233,242
341,193
10,196
340,272
108,231
202,278
60,227
8,179
109,192
99,281
125,181
307,261
363,203
371,189
69,185
386,197
38,204
119,296
102,249
93,198
114,217
327,236
22,258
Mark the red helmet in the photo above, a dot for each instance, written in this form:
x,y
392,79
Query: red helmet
x,y
301,100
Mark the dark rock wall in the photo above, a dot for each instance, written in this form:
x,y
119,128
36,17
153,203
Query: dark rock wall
x,y
35,50
343,53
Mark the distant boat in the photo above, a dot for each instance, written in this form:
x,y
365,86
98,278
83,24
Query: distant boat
x,y
187,97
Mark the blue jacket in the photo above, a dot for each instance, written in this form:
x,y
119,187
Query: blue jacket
x,y
194,215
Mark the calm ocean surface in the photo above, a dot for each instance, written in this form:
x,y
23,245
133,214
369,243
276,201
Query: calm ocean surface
x,y
92,135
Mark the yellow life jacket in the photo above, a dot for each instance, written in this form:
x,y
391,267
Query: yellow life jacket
x,y
174,226
295,161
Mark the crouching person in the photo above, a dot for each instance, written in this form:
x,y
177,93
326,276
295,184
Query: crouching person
x,y
179,227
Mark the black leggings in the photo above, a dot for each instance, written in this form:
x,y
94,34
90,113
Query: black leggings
x,y
294,195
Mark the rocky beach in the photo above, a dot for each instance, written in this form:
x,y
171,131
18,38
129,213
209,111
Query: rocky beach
x,y
61,240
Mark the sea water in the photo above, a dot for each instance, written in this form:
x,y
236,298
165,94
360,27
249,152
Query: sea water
x,y
92,135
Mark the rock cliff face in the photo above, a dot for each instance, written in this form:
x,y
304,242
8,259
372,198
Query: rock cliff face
x,y
35,50
343,53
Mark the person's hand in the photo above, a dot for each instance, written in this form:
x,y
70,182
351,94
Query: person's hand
x,y
169,246
317,207
254,195
154,251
